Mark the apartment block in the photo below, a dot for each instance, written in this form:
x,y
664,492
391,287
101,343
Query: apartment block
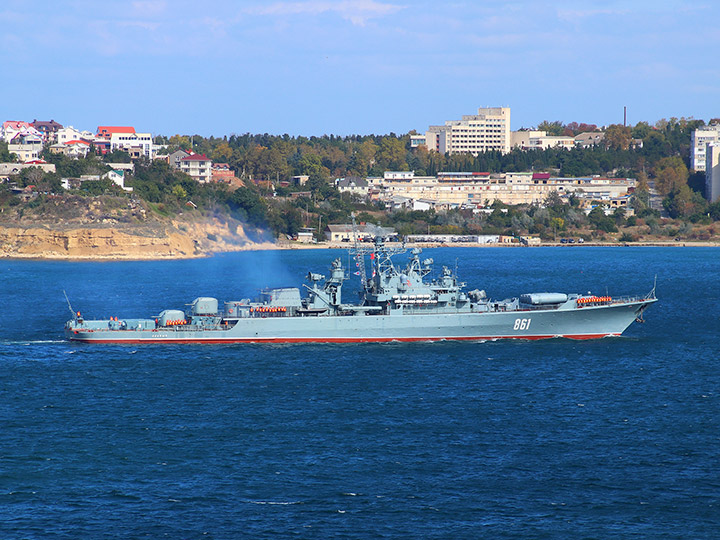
x,y
701,137
488,130
480,189
712,172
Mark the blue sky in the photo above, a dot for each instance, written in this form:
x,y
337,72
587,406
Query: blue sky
x,y
314,67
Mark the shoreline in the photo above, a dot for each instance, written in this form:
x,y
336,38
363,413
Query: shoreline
x,y
284,246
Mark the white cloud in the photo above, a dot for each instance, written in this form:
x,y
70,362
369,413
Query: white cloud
x,y
142,25
358,12
574,15
148,8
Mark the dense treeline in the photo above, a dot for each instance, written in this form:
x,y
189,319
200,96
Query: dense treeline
x,y
265,161
278,157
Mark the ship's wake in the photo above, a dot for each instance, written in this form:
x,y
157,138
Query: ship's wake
x,y
31,341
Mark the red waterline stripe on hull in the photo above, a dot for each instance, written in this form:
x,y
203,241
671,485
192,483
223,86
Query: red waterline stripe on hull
x,y
331,340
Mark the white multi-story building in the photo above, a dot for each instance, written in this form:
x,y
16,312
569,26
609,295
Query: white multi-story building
x,y
26,147
417,139
701,137
69,133
10,130
551,141
198,166
712,172
485,131
521,139
125,138
482,188
539,140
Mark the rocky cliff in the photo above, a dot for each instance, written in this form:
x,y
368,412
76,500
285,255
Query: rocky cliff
x,y
161,240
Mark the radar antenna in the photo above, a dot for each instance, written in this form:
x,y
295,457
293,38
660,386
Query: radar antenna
x,y
380,256
359,254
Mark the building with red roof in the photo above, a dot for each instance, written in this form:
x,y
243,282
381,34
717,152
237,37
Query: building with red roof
x,y
75,148
12,128
197,166
221,172
126,139
106,132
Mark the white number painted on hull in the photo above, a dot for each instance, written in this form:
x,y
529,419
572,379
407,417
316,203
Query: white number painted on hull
x,y
522,324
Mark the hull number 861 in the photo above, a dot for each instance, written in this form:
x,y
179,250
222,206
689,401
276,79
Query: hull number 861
x,y
522,324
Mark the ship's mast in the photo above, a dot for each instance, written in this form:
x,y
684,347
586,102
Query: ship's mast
x,y
359,254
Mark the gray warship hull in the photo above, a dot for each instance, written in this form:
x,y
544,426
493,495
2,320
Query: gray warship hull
x,y
575,323
397,304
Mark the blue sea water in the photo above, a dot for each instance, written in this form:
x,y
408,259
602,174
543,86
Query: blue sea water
x,y
614,438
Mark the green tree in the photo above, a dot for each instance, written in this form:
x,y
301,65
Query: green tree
x,y
670,174
97,187
682,203
555,204
310,165
552,128
178,142
617,137
249,206
640,200
5,155
117,156
363,158
392,154
601,221
179,191
619,216
222,152
641,130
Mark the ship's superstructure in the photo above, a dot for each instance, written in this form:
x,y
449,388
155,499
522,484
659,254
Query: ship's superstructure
x,y
397,304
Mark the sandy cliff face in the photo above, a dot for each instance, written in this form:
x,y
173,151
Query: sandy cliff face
x,y
172,241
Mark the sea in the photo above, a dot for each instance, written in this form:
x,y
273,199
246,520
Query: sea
x,y
612,438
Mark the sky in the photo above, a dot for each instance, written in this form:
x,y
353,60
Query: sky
x,y
320,67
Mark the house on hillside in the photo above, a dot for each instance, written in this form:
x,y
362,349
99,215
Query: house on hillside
x,y
12,128
9,169
48,129
126,139
69,133
589,138
75,149
197,166
26,146
221,172
118,177
174,159
353,184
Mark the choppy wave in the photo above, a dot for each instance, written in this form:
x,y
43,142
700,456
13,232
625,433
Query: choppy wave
x,y
518,439
274,503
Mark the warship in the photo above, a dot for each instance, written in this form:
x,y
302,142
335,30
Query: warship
x,y
396,304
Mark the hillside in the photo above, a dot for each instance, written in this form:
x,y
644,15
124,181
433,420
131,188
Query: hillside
x,y
109,227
